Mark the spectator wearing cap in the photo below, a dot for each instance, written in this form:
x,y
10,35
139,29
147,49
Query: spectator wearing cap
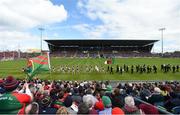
x,y
108,89
108,106
129,107
13,102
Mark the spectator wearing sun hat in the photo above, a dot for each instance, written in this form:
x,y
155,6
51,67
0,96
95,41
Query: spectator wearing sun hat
x,y
107,106
13,102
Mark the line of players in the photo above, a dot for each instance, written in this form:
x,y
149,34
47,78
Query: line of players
x,y
119,69
79,69
168,67
143,68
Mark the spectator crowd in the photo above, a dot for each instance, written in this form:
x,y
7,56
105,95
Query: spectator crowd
x,y
87,97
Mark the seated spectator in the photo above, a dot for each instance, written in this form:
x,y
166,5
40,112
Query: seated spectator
x,y
129,107
91,97
58,103
145,94
32,108
68,104
108,106
13,102
83,109
156,98
148,109
173,102
89,101
117,99
99,106
45,106
62,111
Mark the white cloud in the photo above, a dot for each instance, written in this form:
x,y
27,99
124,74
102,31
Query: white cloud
x,y
23,14
14,40
18,16
137,19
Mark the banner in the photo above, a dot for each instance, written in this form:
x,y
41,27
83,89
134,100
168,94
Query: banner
x,y
38,64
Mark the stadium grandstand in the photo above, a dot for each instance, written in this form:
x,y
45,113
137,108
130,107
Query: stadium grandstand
x,y
100,48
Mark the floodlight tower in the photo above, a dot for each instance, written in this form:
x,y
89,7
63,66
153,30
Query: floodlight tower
x,y
41,30
162,29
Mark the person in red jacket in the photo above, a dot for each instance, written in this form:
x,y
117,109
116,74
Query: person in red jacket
x,y
12,101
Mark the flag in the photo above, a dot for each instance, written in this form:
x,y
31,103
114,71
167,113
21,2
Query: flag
x,y
38,64
109,61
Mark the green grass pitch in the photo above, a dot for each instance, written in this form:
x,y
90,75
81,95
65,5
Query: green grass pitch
x,y
14,68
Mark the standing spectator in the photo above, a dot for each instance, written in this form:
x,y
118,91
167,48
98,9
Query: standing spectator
x,y
13,102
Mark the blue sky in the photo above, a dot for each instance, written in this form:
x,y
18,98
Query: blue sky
x,y
88,19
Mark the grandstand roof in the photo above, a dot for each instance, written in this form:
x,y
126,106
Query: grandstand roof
x,y
100,42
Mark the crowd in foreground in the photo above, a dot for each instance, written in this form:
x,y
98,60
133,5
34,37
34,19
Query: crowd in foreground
x,y
87,97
